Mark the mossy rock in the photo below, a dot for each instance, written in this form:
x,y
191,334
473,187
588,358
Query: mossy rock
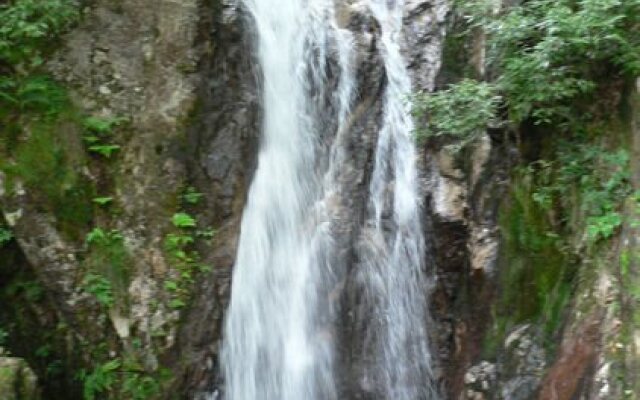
x,y
17,380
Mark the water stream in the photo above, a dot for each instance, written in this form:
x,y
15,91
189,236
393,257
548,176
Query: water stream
x,y
279,342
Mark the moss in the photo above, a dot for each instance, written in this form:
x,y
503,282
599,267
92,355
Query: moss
x,y
7,380
110,259
48,161
537,278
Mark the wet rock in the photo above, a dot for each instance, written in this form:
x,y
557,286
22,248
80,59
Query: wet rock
x,y
480,381
464,191
522,365
184,73
424,24
516,375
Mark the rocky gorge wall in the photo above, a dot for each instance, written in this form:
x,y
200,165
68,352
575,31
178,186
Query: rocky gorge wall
x,y
182,77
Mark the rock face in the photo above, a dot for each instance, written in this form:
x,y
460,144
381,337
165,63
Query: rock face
x,y
183,75
17,380
148,63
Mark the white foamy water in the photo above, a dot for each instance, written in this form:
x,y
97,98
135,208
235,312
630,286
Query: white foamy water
x,y
278,341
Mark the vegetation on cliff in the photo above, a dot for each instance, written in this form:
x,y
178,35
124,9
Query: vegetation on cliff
x,y
545,60
558,79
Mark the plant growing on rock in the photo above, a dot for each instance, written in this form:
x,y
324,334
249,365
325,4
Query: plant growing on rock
x,y
462,111
27,25
97,131
26,30
183,220
545,55
100,288
122,378
5,236
179,246
107,263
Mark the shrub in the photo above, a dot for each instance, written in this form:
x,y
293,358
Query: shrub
x,y
545,55
463,110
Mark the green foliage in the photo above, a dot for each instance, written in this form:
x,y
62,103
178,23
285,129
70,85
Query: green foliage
x,y
561,207
54,368
546,55
184,258
35,112
140,386
34,94
191,196
5,236
25,33
100,288
105,150
101,126
107,262
27,26
175,242
171,286
185,261
177,303
538,278
463,110
603,226
597,180
122,379
45,162
183,220
31,289
43,351
100,380
100,237
103,201
97,131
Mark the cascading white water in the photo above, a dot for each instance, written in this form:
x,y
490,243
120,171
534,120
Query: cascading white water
x,y
278,341
393,248
272,348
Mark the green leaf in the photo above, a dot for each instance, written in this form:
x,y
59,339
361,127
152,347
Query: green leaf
x,y
100,288
5,236
111,365
43,351
462,111
174,242
99,237
102,126
171,285
183,220
204,268
603,227
103,201
191,196
177,303
96,235
105,150
91,139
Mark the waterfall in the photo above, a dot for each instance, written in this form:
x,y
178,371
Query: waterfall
x,y
279,339
392,250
